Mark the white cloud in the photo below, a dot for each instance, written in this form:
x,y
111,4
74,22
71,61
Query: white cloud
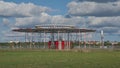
x,y
44,18
6,21
32,21
13,34
21,10
108,24
118,33
94,9
104,21
97,14
101,1
39,16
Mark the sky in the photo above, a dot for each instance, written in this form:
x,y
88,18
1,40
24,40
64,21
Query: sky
x,y
93,14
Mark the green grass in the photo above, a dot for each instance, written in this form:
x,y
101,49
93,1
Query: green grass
x,y
58,59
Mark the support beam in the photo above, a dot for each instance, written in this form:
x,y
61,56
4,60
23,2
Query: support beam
x,y
44,39
79,38
68,42
84,40
58,36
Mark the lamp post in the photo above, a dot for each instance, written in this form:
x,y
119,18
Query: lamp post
x,y
102,39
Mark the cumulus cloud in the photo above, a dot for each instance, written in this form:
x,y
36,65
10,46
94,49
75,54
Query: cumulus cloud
x,y
108,24
30,22
39,16
10,9
118,32
6,21
12,34
101,1
104,21
94,9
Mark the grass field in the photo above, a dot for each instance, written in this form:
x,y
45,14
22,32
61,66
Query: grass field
x,y
59,59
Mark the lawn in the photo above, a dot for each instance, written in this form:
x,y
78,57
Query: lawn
x,y
59,59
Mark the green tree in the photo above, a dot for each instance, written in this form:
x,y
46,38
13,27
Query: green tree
x,y
107,43
118,44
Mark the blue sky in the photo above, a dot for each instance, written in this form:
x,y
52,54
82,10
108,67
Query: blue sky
x,y
94,14
55,4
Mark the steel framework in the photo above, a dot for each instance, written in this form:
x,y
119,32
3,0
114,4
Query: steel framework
x,y
66,32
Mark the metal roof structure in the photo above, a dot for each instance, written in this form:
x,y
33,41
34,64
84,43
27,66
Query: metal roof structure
x,y
54,30
58,32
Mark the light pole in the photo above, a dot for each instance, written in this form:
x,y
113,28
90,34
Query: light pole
x,y
102,39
